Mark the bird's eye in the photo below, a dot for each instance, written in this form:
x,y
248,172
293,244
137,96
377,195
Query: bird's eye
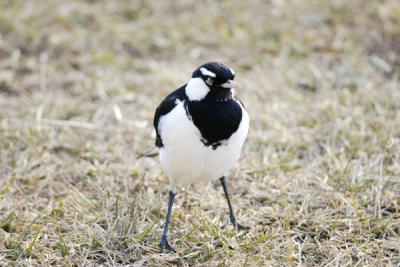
x,y
210,81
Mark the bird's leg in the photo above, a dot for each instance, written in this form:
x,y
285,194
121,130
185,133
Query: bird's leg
x,y
164,244
234,221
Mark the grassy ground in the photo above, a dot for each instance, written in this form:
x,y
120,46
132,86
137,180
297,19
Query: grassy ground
x,y
319,177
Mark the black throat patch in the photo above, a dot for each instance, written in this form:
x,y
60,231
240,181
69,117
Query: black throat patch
x,y
216,116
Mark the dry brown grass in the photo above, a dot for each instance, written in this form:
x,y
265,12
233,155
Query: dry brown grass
x,y
319,178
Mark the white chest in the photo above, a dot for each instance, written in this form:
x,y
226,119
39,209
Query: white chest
x,y
185,159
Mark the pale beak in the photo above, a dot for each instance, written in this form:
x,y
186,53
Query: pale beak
x,y
230,84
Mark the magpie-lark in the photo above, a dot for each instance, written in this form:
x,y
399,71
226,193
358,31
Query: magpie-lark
x,y
200,131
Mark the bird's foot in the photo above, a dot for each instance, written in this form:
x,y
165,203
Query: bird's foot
x,y
240,226
237,225
164,244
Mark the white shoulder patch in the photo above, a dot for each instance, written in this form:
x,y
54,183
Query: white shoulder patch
x,y
206,72
196,89
233,72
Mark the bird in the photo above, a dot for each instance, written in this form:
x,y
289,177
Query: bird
x,y
200,131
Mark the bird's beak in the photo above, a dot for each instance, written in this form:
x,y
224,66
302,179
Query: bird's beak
x,y
230,84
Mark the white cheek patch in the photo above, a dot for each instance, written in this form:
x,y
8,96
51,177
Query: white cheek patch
x,y
196,89
206,72
233,72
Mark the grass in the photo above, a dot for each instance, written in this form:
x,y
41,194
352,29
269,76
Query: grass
x,y
318,180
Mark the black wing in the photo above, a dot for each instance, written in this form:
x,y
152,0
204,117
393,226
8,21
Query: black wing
x,y
165,107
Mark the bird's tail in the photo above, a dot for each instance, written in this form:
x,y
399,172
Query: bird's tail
x,y
150,153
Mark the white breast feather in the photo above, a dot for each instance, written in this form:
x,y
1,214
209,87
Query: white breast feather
x,y
185,159
182,157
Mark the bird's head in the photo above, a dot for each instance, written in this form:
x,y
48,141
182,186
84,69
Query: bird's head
x,y
210,77
216,75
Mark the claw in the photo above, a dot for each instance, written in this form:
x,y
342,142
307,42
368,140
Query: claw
x,y
241,227
237,225
164,244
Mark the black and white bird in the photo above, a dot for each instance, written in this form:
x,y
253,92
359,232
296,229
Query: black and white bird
x,y
200,131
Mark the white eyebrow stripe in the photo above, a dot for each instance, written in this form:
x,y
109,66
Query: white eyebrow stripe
x,y
206,72
233,72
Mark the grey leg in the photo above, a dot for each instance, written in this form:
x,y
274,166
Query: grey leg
x,y
234,221
164,244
